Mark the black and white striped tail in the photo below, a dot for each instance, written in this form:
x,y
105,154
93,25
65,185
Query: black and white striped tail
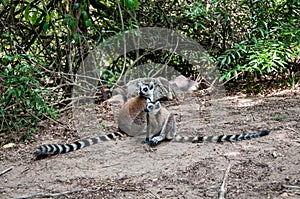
x,y
53,149
220,138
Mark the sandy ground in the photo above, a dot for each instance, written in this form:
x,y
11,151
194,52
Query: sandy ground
x,y
267,167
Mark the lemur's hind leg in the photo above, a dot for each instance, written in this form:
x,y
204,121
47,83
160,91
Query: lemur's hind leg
x,y
161,123
168,131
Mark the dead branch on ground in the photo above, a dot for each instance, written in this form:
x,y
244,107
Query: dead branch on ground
x,y
222,188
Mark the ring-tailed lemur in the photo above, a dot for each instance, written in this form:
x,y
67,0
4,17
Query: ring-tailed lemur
x,y
132,118
132,121
162,125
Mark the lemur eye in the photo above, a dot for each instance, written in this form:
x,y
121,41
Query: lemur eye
x,y
145,89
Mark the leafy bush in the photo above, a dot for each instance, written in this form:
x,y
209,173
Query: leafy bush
x,y
23,101
273,40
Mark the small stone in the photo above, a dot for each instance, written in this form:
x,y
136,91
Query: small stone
x,y
9,145
284,195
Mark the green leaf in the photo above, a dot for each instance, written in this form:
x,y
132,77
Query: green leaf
x,y
222,78
45,26
228,60
76,6
85,15
223,61
76,38
26,13
136,5
2,112
88,23
10,94
129,4
72,24
34,18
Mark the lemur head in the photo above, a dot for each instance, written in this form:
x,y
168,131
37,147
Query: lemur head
x,y
152,107
146,90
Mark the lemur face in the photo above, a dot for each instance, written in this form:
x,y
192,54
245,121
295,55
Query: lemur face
x,y
152,107
146,90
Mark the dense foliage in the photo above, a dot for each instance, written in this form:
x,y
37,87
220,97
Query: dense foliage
x,y
44,43
23,100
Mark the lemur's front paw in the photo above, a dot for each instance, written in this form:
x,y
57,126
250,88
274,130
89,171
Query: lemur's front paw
x,y
153,142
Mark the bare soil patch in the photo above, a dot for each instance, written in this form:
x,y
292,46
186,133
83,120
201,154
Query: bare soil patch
x,y
267,167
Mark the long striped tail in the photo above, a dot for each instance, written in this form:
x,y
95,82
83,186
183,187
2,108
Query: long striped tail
x,y
53,149
221,138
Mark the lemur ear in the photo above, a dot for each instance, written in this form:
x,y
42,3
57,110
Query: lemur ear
x,y
151,85
157,105
140,84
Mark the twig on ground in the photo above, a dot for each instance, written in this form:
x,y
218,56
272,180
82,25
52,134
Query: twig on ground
x,y
289,128
111,165
26,169
5,171
30,196
291,186
47,195
222,189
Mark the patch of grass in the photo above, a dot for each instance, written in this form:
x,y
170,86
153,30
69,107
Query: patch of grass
x,y
103,125
279,117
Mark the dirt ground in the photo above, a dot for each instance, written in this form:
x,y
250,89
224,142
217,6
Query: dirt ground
x,y
267,167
